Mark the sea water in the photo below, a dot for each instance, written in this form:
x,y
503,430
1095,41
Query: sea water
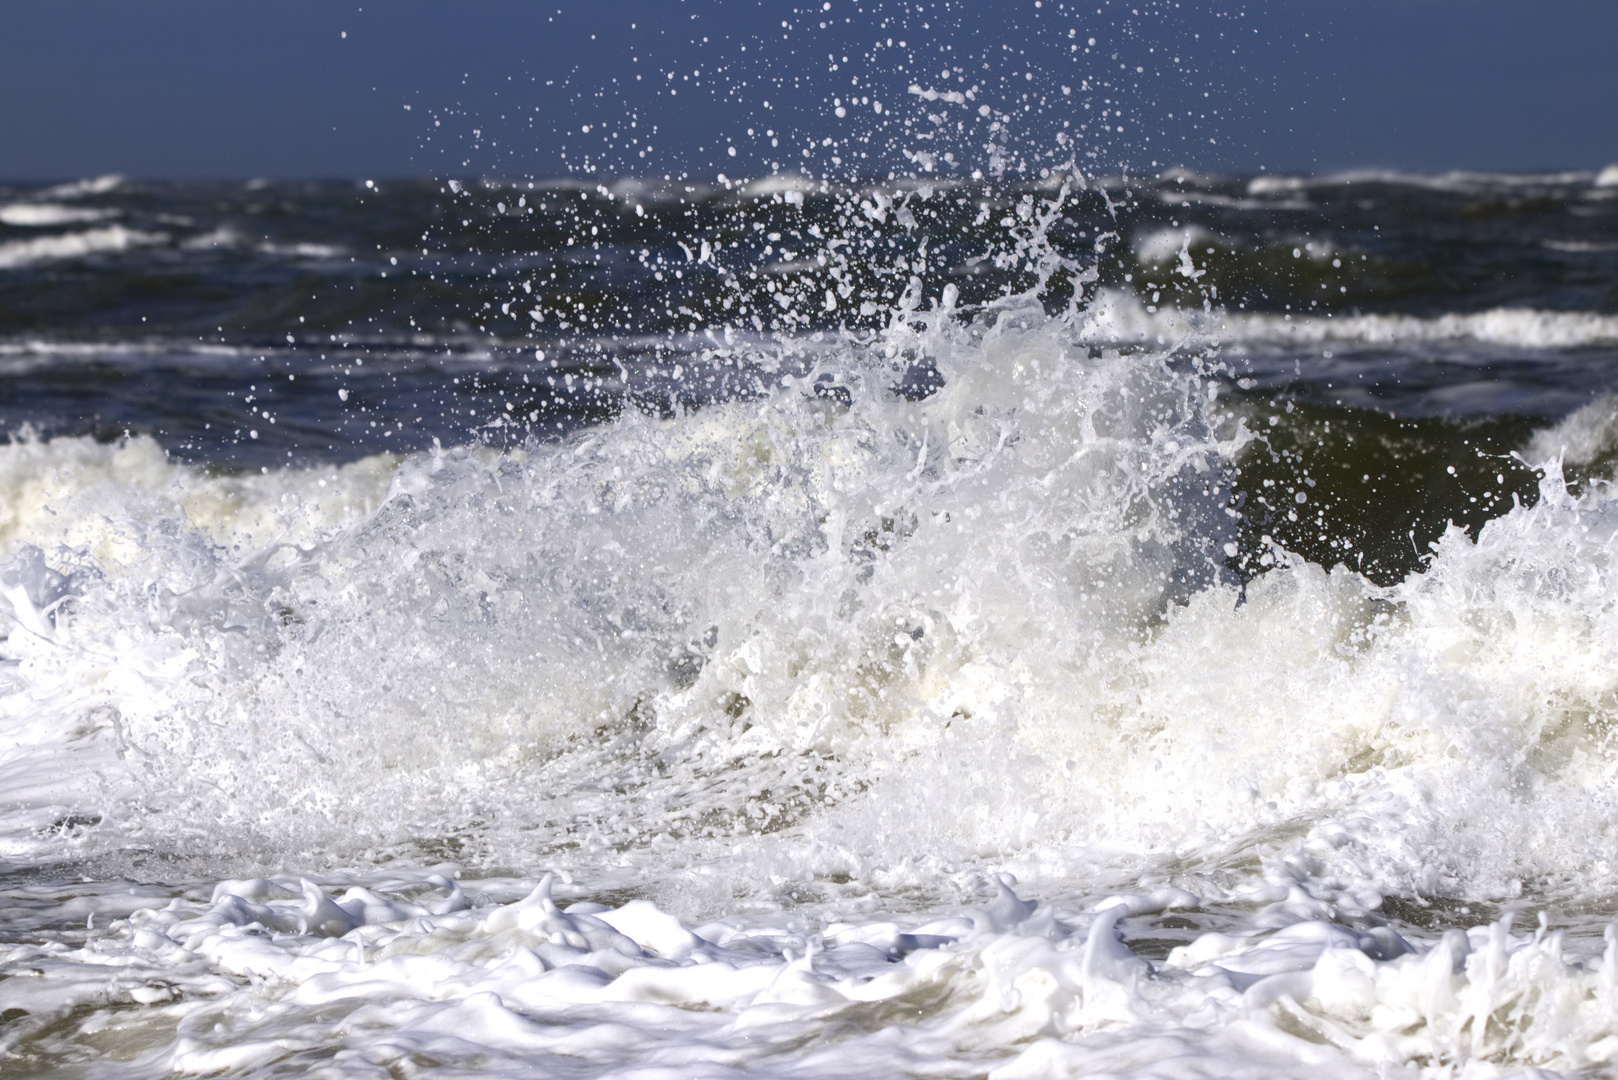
x,y
1045,625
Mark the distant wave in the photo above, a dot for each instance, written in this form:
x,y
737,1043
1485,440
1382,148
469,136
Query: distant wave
x,y
42,215
95,185
1454,180
1122,317
113,238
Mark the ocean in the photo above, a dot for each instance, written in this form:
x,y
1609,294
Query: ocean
x,y
1051,624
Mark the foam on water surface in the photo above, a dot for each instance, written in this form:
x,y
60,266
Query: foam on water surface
x,y
108,239
790,576
265,977
38,215
1118,317
769,663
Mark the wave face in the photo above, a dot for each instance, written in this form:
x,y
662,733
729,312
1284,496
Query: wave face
x,y
1039,626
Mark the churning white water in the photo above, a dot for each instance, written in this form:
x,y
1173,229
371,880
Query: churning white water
x,y
747,739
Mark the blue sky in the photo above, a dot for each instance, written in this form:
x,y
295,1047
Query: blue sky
x,y
498,87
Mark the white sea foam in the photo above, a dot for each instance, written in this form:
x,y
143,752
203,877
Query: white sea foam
x,y
75,189
1520,327
1581,246
17,254
1123,317
222,237
39,215
1456,180
998,591
228,237
767,499
1209,198
1589,436
764,663
303,250
1164,245
261,977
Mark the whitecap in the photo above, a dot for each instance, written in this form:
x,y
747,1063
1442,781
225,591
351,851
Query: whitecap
x,y
17,254
1519,327
98,185
41,215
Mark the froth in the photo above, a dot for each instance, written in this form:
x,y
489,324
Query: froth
x,y
850,635
96,500
275,975
1587,439
37,215
1122,317
738,612
15,254
1458,180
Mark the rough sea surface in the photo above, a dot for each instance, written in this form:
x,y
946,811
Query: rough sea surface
x,y
1040,626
